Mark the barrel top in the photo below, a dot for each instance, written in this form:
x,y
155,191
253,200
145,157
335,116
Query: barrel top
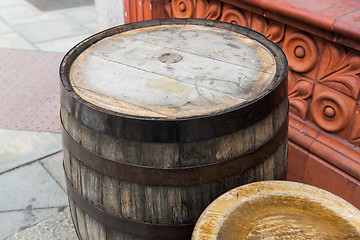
x,y
173,71
278,210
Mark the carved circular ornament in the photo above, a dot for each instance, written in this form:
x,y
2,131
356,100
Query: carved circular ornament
x,y
302,51
234,16
299,52
330,111
182,8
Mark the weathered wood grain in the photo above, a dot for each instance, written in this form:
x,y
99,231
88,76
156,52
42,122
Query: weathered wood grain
x,y
131,73
217,69
167,204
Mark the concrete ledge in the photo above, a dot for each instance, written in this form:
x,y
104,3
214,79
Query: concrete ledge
x,y
336,152
320,160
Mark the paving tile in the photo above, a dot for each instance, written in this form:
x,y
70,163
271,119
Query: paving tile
x,y
12,222
29,73
61,45
50,5
31,113
30,90
28,195
57,227
14,40
17,111
28,87
92,27
4,28
30,186
26,13
81,15
19,12
54,165
46,118
21,147
50,30
4,3
55,95
37,17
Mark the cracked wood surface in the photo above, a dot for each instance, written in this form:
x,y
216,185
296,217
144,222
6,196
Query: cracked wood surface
x,y
173,71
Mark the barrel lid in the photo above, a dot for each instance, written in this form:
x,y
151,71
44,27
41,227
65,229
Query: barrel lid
x,y
173,71
158,80
278,210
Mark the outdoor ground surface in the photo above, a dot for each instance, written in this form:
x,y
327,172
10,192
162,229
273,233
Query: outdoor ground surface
x,y
34,36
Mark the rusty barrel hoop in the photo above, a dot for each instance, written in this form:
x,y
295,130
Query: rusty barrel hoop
x,y
150,175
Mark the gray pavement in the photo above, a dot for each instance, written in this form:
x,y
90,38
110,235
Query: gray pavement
x,y
33,199
23,26
58,227
22,147
33,194
30,195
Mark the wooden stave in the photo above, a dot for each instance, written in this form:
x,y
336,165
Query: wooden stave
x,y
281,163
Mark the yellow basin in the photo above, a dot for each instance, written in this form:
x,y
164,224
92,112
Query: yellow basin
x,y
278,210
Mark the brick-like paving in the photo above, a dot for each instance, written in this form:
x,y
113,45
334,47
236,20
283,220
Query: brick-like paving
x,y
30,90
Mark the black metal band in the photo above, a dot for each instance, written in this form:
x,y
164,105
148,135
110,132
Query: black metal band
x,y
144,129
175,176
129,226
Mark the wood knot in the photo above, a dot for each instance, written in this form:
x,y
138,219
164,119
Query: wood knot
x,y
170,58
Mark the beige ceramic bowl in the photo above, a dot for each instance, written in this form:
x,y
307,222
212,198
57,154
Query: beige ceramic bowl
x,y
278,210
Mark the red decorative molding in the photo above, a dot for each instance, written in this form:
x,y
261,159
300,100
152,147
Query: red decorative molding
x,y
340,69
301,50
354,136
342,156
332,111
193,9
235,16
300,91
140,10
329,19
318,159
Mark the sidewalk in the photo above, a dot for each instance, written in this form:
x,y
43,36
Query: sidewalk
x,y
34,36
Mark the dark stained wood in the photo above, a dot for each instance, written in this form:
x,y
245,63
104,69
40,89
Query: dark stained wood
x,y
184,176
164,204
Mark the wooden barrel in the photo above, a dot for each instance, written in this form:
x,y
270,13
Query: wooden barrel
x,y
161,117
278,210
